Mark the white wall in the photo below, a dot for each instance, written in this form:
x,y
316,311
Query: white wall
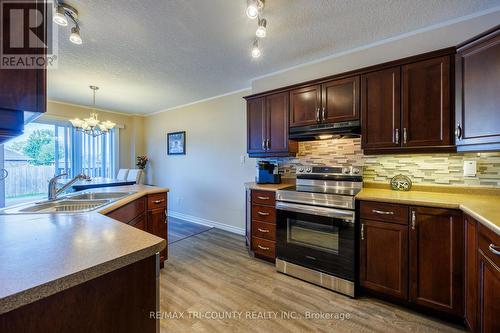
x,y
206,183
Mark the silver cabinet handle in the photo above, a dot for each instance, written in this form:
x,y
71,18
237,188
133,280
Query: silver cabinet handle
x,y
263,230
396,136
268,144
158,201
263,214
413,219
493,248
458,132
318,118
405,135
362,231
263,144
323,113
263,198
263,248
382,212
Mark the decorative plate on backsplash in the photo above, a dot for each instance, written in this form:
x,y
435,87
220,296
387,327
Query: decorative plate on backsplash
x,y
401,183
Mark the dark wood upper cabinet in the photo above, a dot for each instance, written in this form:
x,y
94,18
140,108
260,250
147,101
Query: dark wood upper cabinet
x,y
23,92
477,94
277,122
437,259
256,125
381,109
305,106
426,114
382,273
267,126
340,100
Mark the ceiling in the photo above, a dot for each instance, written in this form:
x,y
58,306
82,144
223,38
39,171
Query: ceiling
x,y
152,55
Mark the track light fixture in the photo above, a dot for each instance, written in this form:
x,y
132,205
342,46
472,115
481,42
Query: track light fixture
x,y
256,52
261,31
62,13
253,8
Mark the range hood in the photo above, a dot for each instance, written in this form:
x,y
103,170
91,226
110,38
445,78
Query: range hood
x,y
326,131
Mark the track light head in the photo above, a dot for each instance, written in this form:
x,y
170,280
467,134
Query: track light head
x,y
253,8
75,37
261,31
59,17
256,52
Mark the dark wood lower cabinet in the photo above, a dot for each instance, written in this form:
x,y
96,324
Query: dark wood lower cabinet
x,y
436,259
119,301
379,271
261,224
157,225
417,259
471,275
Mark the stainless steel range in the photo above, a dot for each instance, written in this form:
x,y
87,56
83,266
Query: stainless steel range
x,y
316,226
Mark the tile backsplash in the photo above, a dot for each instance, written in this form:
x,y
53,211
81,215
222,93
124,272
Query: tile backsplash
x,y
421,168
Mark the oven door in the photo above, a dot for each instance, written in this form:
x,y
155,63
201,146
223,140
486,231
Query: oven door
x,y
316,237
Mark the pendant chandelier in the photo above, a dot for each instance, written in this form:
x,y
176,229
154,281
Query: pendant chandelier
x,y
92,126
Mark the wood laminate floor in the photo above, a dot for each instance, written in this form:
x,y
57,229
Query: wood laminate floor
x,y
179,229
211,275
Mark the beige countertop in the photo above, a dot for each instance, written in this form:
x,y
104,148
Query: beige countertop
x,y
42,254
480,203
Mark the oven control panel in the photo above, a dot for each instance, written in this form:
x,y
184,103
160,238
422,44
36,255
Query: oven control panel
x,y
329,170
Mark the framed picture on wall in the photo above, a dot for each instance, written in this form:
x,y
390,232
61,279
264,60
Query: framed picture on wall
x,y
176,143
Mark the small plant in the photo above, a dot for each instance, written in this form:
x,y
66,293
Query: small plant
x,y
142,161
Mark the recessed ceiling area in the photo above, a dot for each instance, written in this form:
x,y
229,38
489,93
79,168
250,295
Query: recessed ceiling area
x,y
152,55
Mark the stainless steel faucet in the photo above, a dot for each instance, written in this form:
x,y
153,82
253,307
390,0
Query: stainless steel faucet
x,y
54,192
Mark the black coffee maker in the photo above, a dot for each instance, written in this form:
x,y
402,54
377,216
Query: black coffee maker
x,y
267,173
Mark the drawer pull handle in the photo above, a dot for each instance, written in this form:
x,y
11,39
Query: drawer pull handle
x,y
263,230
158,201
263,247
263,214
494,249
382,212
263,198
413,219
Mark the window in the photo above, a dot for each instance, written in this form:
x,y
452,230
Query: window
x,y
48,149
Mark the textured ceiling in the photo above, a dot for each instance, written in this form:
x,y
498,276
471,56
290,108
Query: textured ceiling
x,y
151,55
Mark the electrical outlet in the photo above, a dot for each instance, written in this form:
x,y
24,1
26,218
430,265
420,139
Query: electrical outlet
x,y
470,168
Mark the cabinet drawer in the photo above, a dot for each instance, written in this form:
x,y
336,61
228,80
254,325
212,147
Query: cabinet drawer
x,y
264,247
158,200
488,243
380,211
130,211
264,230
264,198
264,214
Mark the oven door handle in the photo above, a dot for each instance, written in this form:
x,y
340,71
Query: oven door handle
x,y
347,216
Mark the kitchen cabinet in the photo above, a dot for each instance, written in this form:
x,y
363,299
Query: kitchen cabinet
x,y
23,92
436,259
477,93
471,273
426,114
148,213
408,108
332,101
261,224
267,126
425,267
381,109
379,271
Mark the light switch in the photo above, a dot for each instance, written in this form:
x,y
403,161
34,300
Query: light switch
x,y
470,168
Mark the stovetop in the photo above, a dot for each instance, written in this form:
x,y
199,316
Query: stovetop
x,y
349,191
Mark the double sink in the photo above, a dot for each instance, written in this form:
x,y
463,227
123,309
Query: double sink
x,y
74,203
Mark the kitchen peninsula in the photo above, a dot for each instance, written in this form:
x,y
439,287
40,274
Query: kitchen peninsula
x,y
83,268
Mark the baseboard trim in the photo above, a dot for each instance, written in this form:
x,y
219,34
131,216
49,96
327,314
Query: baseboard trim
x,y
206,222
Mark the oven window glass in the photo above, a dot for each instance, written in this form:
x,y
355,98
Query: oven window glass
x,y
317,236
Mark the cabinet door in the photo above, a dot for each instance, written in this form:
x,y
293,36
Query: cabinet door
x,y
277,122
381,109
426,103
256,125
305,104
379,271
157,225
437,259
489,294
478,98
340,100
471,273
